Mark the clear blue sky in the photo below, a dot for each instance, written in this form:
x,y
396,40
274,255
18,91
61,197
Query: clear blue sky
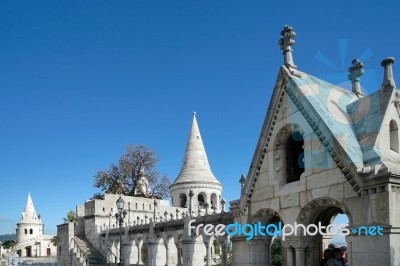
x,y
81,79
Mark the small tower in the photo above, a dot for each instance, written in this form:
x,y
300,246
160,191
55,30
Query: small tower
x,y
196,175
30,225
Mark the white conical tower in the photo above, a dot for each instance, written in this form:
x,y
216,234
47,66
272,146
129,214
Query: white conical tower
x,y
30,225
196,175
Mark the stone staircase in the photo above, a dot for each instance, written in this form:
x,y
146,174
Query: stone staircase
x,y
93,256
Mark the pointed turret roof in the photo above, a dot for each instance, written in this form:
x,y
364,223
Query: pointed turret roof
x,y
29,213
195,167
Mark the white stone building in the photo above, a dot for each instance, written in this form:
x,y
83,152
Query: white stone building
x,y
324,150
153,232
31,240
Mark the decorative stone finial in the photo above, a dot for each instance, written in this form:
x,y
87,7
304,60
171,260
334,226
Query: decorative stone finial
x,y
355,72
286,43
388,79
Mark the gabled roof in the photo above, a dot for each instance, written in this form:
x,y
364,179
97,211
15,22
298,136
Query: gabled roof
x,y
324,106
195,167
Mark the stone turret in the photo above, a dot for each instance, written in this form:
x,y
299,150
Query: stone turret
x,y
30,225
196,175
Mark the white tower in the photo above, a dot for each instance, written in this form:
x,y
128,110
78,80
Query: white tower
x,y
30,225
196,175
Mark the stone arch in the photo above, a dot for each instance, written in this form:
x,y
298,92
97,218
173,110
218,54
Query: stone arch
x,y
262,246
266,216
288,165
322,206
321,210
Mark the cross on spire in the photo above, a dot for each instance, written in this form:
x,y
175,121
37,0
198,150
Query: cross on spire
x,y
286,43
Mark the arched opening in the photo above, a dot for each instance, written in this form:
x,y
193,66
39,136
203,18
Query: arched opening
x,y
264,251
28,251
143,252
214,201
201,200
26,231
31,231
394,136
183,200
294,154
333,219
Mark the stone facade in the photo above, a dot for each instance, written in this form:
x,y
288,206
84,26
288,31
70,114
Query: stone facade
x,y
347,161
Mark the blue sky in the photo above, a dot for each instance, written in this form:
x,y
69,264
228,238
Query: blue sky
x,y
79,80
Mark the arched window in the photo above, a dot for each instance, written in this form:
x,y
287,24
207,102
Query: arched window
x,y
183,200
31,231
394,136
26,231
214,201
201,200
294,157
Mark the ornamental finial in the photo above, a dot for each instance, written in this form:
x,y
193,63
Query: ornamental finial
x,y
388,79
355,72
285,44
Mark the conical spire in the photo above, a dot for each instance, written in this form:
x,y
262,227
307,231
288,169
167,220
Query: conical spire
x,y
29,213
195,166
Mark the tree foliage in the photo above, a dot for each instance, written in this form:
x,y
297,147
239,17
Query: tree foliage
x,y
121,178
8,244
71,217
54,240
276,252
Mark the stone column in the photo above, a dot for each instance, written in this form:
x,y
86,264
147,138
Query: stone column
x,y
208,254
139,246
289,253
166,255
300,256
193,246
178,247
224,243
128,248
268,242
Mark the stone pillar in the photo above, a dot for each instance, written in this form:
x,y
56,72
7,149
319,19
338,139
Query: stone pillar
x,y
130,253
178,248
166,255
224,243
268,242
300,258
208,254
193,246
139,246
290,258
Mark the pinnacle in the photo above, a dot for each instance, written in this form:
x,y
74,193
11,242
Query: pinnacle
x,y
195,166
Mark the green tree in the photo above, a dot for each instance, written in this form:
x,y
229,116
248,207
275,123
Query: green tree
x,y
8,244
54,240
276,252
123,177
71,217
